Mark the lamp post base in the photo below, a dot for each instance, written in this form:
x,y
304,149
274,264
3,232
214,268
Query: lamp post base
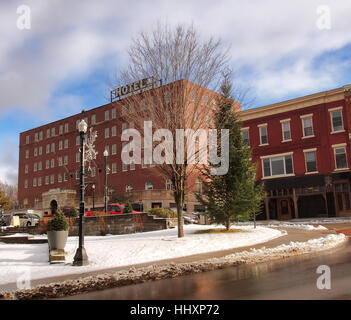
x,y
80,258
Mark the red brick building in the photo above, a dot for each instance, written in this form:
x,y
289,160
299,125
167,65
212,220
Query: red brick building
x,y
302,151
301,147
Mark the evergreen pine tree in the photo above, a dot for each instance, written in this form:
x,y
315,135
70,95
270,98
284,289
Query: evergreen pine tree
x,y
235,195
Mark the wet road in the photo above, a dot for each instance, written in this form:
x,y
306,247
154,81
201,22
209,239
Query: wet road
x,y
293,278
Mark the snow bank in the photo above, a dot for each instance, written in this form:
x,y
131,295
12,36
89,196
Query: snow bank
x,y
155,272
297,226
124,250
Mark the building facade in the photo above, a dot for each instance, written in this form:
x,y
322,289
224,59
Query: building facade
x,y
301,148
302,151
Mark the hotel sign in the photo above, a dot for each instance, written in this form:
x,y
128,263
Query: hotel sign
x,y
135,88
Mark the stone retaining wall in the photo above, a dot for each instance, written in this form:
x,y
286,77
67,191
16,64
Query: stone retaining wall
x,y
113,224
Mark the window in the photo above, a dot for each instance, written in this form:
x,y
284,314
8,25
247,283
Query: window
x,y
60,145
131,125
114,131
77,175
307,126
66,127
77,157
35,168
169,185
60,161
65,160
198,185
39,181
340,157
277,166
36,137
52,179
107,148
52,163
245,135
35,152
114,149
263,134
310,159
59,177
47,164
41,135
107,115
114,167
47,179
40,166
40,151
342,194
107,133
113,113
286,133
66,143
93,119
77,123
53,147
26,168
124,126
48,133
336,120
132,166
61,129
65,176
148,185
47,148
34,182
27,154
124,166
27,139
26,184
77,140
53,132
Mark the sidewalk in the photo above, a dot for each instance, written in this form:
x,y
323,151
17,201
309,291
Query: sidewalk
x,y
292,235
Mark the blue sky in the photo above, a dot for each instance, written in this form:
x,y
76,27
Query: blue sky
x,y
65,61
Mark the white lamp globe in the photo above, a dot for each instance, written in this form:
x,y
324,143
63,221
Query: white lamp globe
x,y
82,126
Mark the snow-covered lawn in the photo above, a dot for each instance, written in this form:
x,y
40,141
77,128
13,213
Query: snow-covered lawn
x,y
123,250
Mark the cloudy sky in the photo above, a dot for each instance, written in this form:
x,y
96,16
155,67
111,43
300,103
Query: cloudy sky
x,y
279,49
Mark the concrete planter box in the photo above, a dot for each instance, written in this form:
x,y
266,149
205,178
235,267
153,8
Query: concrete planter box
x,y
57,239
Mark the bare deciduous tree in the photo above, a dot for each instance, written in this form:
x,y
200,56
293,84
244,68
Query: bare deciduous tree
x,y
190,69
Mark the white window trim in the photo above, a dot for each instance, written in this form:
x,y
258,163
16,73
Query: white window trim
x,y
276,156
262,125
282,122
304,153
331,120
305,116
336,146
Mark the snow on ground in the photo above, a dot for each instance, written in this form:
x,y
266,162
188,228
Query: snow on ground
x,y
297,226
123,250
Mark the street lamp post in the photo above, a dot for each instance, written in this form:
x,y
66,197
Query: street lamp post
x,y
81,258
93,186
105,194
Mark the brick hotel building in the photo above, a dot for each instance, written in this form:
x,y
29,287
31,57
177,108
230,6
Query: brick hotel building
x,y
301,147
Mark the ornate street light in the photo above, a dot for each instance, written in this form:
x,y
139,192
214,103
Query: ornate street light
x,y
105,193
81,258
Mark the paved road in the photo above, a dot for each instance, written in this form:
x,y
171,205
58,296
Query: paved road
x,y
294,278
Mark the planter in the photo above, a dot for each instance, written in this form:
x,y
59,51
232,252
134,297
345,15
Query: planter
x,y
57,239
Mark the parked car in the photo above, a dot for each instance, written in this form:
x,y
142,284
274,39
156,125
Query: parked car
x,y
112,209
27,219
2,219
190,218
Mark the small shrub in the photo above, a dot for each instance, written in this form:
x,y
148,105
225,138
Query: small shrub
x,y
128,208
162,212
73,213
58,222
